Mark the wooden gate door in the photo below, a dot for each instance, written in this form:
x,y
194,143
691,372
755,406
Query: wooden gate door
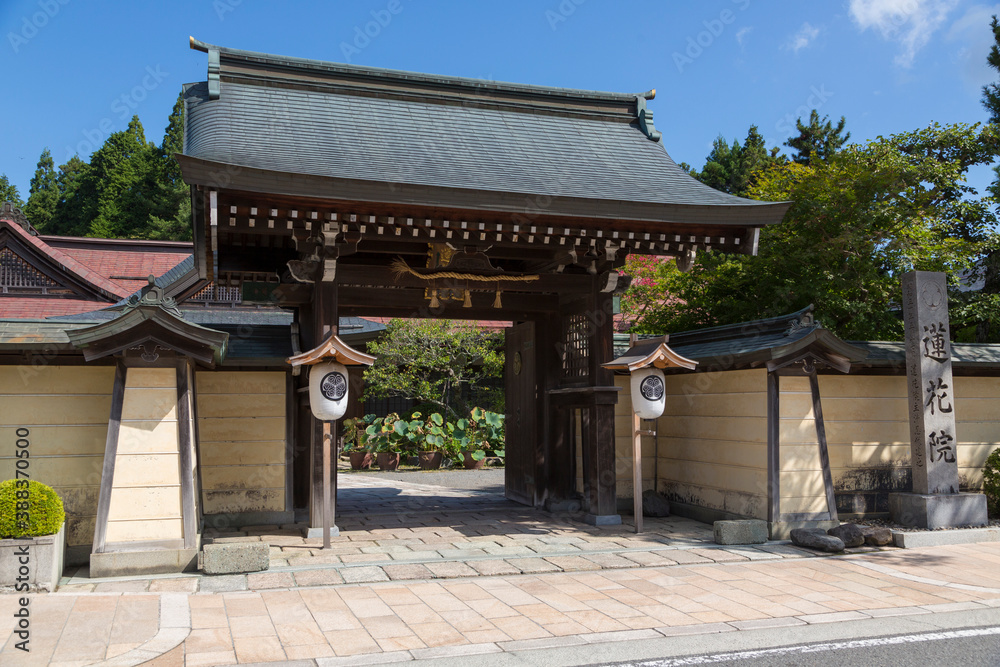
x,y
521,399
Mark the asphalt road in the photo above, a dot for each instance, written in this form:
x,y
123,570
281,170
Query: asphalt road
x,y
968,647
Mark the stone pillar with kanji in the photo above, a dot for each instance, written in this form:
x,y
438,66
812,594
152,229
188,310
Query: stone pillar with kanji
x,y
935,501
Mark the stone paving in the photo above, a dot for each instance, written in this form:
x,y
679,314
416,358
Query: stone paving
x,y
404,583
467,533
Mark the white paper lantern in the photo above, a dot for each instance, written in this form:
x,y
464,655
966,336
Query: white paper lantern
x,y
648,393
328,389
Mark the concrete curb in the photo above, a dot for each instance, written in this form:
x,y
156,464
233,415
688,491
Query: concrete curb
x,y
940,538
175,626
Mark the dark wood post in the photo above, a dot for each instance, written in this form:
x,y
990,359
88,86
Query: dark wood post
x,y
322,506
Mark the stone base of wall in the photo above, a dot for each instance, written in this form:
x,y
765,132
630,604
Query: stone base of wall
x,y
155,561
938,511
237,520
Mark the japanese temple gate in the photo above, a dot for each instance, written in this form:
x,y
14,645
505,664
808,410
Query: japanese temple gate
x,y
358,191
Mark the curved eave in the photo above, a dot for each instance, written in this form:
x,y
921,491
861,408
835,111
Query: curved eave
x,y
332,348
142,324
212,174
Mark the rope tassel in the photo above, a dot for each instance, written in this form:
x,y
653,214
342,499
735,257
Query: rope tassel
x,y
468,300
496,301
434,299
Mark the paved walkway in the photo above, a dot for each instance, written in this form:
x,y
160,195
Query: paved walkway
x,y
419,592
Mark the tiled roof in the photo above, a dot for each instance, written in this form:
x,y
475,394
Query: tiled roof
x,y
451,141
127,268
12,306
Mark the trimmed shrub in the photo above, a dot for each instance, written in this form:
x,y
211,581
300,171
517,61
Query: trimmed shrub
x,y
45,514
991,482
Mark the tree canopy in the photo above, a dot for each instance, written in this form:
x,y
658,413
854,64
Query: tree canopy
x,y
859,220
8,192
435,362
819,140
732,168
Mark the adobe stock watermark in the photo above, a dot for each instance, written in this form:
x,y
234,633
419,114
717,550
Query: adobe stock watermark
x,y
817,98
714,28
223,7
22,518
562,13
30,25
363,35
123,106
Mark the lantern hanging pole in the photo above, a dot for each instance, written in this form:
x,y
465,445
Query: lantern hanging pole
x,y
327,509
637,472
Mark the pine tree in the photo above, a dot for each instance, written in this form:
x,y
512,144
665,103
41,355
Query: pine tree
x,y
73,214
988,328
44,193
818,140
733,168
8,192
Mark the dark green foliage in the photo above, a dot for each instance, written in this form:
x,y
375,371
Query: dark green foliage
x,y
991,92
991,483
733,168
44,193
131,188
45,513
8,192
434,362
819,140
858,221
984,307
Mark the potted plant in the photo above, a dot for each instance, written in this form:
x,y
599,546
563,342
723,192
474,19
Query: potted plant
x,y
383,438
482,436
356,442
39,530
436,439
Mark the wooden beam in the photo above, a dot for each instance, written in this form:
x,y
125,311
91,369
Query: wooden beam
x,y
637,471
110,456
773,447
186,445
824,453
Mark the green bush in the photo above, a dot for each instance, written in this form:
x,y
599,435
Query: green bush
x,y
991,482
44,514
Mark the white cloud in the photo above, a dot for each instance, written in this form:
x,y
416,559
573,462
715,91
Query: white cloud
x,y
803,38
909,22
742,34
973,38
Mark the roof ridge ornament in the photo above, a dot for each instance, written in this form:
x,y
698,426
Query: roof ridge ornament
x,y
152,295
645,116
14,214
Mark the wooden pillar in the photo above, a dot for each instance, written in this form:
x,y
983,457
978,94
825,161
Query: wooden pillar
x,y
324,480
186,446
110,457
599,431
773,448
824,453
550,458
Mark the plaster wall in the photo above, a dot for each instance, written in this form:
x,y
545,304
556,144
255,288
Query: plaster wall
x,y
711,445
242,433
146,491
66,410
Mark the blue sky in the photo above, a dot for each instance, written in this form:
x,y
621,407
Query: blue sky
x,y
74,70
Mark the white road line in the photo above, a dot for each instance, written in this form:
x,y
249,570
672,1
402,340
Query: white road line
x,y
814,648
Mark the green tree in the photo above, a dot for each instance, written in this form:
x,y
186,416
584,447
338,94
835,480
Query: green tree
x,y
170,216
984,308
858,221
432,361
8,192
72,214
818,140
44,193
732,168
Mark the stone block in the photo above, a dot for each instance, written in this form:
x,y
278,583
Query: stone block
x,y
876,536
848,533
745,531
939,538
44,556
950,510
152,561
235,557
816,538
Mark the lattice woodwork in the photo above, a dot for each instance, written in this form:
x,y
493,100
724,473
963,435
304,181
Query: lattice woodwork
x,y
576,350
17,275
215,293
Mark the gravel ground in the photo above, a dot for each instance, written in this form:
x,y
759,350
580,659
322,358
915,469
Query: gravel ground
x,y
993,523
486,479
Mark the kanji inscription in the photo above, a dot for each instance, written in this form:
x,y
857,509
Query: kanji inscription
x,y
933,443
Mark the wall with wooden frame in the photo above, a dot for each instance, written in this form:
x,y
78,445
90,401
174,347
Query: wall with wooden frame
x,y
65,409
712,442
242,431
869,438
